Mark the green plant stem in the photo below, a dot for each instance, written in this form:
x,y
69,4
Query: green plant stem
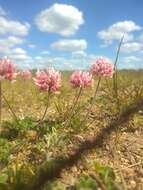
x,y
95,93
10,108
71,113
46,109
70,108
115,75
76,100
0,101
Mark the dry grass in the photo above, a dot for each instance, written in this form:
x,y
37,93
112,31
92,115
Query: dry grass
x,y
26,146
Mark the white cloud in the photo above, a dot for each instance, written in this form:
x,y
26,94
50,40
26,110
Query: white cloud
x,y
4,50
21,58
79,54
12,34
117,30
131,62
130,59
32,46
131,47
92,58
15,40
7,43
12,27
59,62
19,54
11,41
19,51
38,58
67,63
45,52
141,37
60,18
69,45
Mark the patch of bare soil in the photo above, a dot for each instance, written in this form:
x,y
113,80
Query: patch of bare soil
x,y
126,157
123,152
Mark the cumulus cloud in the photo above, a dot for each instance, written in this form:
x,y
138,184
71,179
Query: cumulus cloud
x,y
11,41
60,18
13,27
117,30
19,54
132,47
69,45
38,58
12,34
21,58
68,63
130,59
141,37
7,43
59,62
80,54
32,46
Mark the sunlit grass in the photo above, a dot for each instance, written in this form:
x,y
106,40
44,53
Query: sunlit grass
x,y
25,145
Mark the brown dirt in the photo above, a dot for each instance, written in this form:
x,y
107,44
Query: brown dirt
x,y
123,152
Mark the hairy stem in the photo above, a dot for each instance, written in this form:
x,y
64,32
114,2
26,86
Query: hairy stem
x,y
0,101
93,99
76,100
115,75
71,113
10,108
46,109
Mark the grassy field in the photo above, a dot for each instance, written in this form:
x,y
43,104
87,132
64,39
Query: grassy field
x,y
29,147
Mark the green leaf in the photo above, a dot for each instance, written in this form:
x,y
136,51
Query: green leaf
x,y
106,174
3,178
86,182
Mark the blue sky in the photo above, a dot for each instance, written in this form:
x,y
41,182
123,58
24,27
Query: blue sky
x,y
71,34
